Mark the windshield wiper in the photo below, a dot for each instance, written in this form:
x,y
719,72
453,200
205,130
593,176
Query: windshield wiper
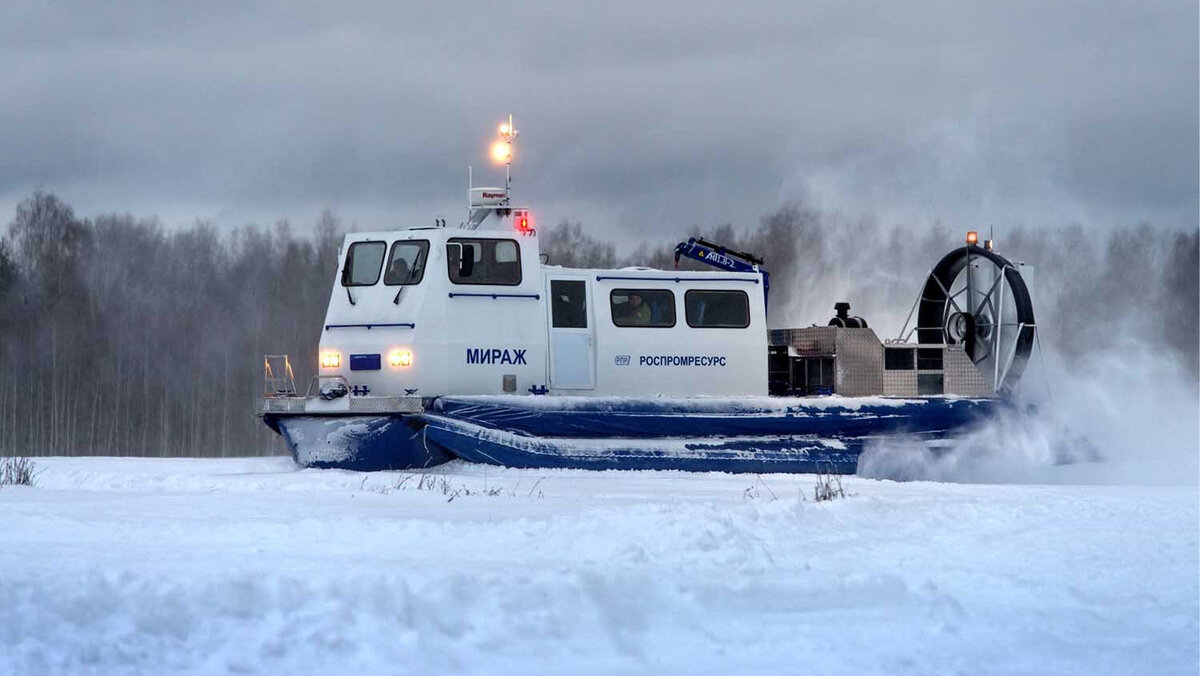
x,y
346,283
408,278
404,282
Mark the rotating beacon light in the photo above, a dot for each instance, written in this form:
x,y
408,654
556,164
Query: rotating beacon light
x,y
502,149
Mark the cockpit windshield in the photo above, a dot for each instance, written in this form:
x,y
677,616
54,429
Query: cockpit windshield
x,y
406,265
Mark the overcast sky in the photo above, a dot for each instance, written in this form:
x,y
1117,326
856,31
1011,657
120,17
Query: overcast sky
x,y
635,118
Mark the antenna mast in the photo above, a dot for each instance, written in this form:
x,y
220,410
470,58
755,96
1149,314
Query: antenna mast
x,y
508,134
484,202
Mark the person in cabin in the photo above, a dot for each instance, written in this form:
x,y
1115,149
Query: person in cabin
x,y
639,312
398,272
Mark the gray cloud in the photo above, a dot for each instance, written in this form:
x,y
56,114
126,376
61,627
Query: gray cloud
x,y
644,117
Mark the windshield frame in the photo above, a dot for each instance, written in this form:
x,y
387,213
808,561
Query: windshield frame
x,y
420,264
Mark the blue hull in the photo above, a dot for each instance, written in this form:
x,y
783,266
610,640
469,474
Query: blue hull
x,y
362,443
759,435
589,417
787,454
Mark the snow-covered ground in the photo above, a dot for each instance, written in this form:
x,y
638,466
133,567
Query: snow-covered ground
x,y
251,566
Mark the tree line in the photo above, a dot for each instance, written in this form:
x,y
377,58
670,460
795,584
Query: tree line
x,y
121,337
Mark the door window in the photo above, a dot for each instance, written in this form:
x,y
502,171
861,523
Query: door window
x,y
568,303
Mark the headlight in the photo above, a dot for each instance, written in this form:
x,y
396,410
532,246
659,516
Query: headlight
x,y
330,360
400,358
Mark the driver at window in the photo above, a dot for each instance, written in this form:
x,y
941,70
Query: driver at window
x,y
638,312
399,271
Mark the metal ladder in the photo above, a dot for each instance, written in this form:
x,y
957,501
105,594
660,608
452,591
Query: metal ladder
x,y
278,379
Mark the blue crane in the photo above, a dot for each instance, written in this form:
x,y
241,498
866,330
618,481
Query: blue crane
x,y
704,251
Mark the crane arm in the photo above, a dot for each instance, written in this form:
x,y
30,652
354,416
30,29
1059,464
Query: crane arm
x,y
710,253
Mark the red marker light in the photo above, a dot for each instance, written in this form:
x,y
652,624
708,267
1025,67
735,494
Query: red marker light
x,y
522,221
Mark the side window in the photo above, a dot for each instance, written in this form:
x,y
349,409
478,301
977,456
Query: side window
x,y
643,307
406,265
717,309
491,261
506,252
363,262
568,303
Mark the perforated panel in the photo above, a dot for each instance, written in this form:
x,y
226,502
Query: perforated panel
x,y
962,377
859,362
900,383
858,355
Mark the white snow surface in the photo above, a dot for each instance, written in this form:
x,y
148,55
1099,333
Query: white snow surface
x,y
146,566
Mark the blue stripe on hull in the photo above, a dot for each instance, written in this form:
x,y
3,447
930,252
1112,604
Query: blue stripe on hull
x,y
363,443
690,418
778,454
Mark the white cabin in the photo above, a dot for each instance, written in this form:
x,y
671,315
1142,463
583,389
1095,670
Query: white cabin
x,y
451,311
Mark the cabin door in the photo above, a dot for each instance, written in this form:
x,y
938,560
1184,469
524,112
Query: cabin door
x,y
572,358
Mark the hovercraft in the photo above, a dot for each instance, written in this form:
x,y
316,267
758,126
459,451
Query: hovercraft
x,y
462,342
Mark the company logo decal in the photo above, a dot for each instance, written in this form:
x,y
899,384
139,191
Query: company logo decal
x,y
483,355
681,360
621,360
714,257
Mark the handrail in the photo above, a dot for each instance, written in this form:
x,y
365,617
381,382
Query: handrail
x,y
368,327
494,296
600,278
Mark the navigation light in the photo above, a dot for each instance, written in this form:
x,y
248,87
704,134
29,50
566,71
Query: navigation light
x,y
522,220
501,151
